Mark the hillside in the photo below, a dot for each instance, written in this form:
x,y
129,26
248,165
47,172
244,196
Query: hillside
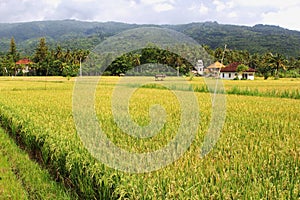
x,y
259,38
85,35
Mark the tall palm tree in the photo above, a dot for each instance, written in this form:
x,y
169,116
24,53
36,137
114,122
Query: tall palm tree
x,y
277,62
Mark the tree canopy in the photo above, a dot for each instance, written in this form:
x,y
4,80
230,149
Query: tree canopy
x,y
59,61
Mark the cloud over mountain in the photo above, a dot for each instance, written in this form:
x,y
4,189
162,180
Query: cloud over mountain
x,y
275,12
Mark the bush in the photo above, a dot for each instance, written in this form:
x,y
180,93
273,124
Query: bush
x,y
106,73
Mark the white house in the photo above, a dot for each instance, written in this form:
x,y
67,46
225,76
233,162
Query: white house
x,y
230,73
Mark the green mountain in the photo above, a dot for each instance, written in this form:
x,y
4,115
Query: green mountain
x,y
257,39
86,35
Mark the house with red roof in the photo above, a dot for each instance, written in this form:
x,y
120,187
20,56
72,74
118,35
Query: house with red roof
x,y
230,72
24,61
24,65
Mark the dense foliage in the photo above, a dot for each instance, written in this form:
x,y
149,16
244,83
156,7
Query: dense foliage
x,y
136,60
256,39
86,35
46,62
267,64
58,47
66,62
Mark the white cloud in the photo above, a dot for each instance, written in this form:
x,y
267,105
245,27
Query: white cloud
x,y
221,6
230,4
132,4
52,3
84,1
158,5
277,12
286,17
265,3
163,7
153,2
203,9
19,11
232,15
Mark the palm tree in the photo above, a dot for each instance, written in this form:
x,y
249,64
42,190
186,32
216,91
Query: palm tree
x,y
277,62
255,61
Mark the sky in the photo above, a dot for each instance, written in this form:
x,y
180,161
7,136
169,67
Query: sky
x,y
240,12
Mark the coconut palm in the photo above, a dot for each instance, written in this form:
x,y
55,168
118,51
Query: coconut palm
x,y
277,62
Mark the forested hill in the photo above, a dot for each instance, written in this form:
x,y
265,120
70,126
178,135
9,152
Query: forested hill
x,y
85,35
256,39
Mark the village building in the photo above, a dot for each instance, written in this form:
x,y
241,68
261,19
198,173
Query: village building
x,y
199,68
214,69
230,72
24,65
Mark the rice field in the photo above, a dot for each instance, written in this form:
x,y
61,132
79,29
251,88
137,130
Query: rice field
x,y
256,157
22,178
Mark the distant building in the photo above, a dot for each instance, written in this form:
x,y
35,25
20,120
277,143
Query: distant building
x,y
214,69
24,65
230,73
199,68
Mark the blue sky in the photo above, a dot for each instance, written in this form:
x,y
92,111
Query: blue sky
x,y
241,12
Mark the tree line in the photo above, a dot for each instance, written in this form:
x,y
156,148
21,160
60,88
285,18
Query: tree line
x,y
266,65
66,62
45,61
136,62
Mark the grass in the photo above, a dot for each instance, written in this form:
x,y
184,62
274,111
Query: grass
x,y
10,186
21,178
257,156
292,94
283,88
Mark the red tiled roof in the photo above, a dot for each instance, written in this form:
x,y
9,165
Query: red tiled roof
x,y
24,61
233,66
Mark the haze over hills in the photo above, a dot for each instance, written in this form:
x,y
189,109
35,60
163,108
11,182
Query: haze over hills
x,y
86,35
